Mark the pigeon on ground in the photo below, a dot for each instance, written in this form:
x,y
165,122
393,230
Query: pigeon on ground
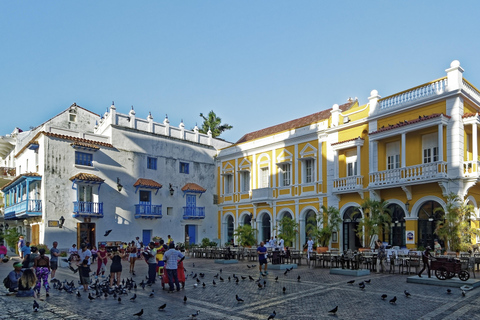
x,y
276,278
228,278
119,300
107,233
250,277
138,314
384,296
194,315
162,307
204,285
361,283
248,266
393,300
90,297
78,294
351,282
216,276
184,299
236,280
407,294
220,270
298,278
193,265
152,294
272,315
134,297
449,291
243,278
284,289
238,298
221,279
285,273
463,293
194,276
368,281
334,310
260,286
214,283
198,280
35,306
362,286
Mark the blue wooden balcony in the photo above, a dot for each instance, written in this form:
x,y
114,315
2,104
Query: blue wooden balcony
x,y
24,209
193,212
85,209
148,211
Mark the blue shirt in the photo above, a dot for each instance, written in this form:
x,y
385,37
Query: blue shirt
x,y
170,257
53,257
26,250
261,255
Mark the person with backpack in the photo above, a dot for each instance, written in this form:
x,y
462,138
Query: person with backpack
x,y
11,281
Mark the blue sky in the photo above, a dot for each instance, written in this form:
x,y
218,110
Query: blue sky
x,y
255,63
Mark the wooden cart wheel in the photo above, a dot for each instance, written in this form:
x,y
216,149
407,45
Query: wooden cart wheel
x,y
464,275
441,273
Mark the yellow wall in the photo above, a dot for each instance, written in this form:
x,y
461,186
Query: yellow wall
x,y
439,107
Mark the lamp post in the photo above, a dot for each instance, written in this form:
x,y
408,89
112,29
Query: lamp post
x,y
61,221
119,185
407,207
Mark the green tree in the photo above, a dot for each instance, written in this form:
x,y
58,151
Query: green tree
x,y
213,123
288,230
245,235
327,222
456,230
376,218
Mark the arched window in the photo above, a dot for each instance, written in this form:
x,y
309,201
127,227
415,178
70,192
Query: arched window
x,y
229,228
247,219
427,222
397,230
351,218
266,228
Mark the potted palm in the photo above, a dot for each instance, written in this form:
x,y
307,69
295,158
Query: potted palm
x,y
327,222
456,230
376,217
245,235
288,230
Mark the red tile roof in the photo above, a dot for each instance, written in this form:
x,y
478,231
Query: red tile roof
x,y
405,123
193,187
64,137
147,183
85,145
86,177
469,115
297,123
28,174
340,142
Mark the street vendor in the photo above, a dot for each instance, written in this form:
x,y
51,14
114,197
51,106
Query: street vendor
x,y
426,256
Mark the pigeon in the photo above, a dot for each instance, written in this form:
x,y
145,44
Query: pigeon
x,y
384,296
138,314
214,283
264,283
298,278
407,294
243,278
134,297
221,279
195,285
198,280
284,289
449,291
216,276
194,315
35,306
254,265
362,286
107,233
194,276
248,266
236,281
220,270
119,300
78,294
368,281
272,315
184,299
351,282
285,273
90,297
204,285
260,286
238,298
393,300
228,278
193,265
334,310
463,293
152,294
276,278
162,307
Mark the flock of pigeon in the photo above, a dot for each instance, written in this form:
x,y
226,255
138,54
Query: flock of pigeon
x,y
102,290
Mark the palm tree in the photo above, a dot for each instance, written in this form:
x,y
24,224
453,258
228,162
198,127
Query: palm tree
x,y
213,123
376,218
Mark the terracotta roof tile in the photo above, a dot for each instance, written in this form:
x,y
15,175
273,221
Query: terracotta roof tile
x,y
147,183
85,145
28,174
86,177
296,123
469,115
340,142
193,187
405,123
61,136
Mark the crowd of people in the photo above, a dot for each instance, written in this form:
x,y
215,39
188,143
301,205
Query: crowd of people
x,y
163,259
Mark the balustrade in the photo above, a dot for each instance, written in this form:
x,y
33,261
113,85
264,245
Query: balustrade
x,y
348,183
426,171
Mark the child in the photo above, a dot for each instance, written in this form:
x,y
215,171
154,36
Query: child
x,y
84,271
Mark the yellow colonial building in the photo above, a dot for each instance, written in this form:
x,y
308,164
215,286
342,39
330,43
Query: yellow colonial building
x,y
411,149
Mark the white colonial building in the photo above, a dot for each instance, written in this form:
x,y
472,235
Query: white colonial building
x,y
80,174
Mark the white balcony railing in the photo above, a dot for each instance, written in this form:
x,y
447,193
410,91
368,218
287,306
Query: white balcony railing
x,y
433,88
348,184
471,168
421,172
262,194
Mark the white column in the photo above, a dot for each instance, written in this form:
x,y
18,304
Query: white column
x,y
440,142
404,163
359,162
474,146
335,164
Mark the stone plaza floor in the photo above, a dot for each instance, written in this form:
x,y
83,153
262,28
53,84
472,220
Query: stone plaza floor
x,y
312,297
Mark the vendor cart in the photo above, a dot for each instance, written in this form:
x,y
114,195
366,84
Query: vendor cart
x,y
447,268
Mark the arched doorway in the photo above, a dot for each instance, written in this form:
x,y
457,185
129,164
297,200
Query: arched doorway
x,y
427,222
397,230
230,228
247,219
310,224
266,228
351,218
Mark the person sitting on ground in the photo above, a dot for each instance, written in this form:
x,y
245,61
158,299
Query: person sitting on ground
x,y
26,283
14,276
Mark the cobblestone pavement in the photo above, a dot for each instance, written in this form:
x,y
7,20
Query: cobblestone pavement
x,y
312,297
